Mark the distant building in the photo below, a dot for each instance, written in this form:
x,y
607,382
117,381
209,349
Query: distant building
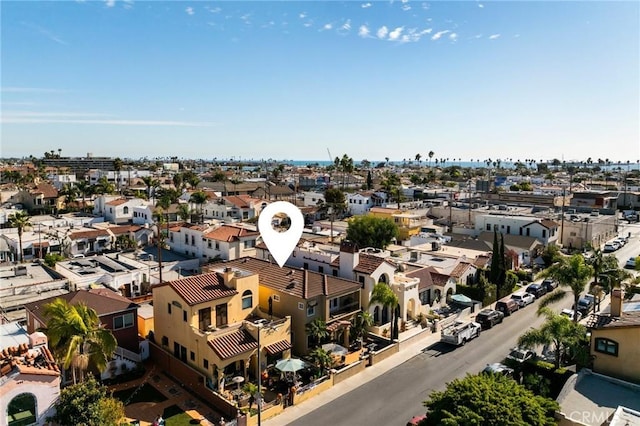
x,y
80,165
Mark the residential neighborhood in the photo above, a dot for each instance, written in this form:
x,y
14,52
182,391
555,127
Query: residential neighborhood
x,y
180,278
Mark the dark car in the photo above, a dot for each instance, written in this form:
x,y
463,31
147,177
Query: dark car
x,y
507,306
585,304
550,284
538,290
487,318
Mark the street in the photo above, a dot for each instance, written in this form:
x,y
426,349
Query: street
x,y
394,397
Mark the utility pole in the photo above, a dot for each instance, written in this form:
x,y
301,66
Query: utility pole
x,y
562,219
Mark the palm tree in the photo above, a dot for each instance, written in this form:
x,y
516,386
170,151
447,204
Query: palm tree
x,y
184,212
391,185
322,359
317,329
151,183
20,220
78,338
117,166
557,331
199,198
431,154
418,158
573,273
85,189
359,325
383,295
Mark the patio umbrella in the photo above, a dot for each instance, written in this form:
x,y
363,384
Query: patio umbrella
x,y
461,298
335,349
290,365
238,380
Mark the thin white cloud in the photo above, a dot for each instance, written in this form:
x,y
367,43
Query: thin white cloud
x,y
439,34
453,36
45,32
346,26
213,9
480,5
478,36
33,114
395,34
302,15
494,36
149,123
365,5
110,3
327,27
190,11
425,6
364,31
308,24
382,32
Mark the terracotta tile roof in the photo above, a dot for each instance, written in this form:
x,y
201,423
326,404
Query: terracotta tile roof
x,y
439,279
460,269
233,344
481,261
230,233
116,202
26,360
300,283
124,229
368,263
549,223
103,301
200,288
424,274
626,319
47,190
237,201
278,347
92,233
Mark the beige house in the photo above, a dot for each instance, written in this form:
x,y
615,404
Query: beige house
x,y
211,323
615,338
304,296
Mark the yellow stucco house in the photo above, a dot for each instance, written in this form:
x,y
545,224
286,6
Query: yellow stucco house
x,y
211,323
409,224
615,340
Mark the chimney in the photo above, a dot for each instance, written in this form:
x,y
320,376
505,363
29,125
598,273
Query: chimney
x,y
226,277
349,259
617,294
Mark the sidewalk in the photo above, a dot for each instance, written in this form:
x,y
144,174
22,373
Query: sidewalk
x,y
295,412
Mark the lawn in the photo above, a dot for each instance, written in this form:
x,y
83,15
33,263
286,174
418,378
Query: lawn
x,y
146,393
175,416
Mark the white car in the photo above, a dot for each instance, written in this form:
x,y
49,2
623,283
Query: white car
x,y
521,355
569,314
631,263
523,298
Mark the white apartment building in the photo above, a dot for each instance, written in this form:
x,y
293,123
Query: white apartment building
x,y
361,202
544,230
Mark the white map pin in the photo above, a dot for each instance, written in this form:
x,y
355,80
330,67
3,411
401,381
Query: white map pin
x,y
281,244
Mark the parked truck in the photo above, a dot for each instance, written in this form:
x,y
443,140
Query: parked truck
x,y
460,332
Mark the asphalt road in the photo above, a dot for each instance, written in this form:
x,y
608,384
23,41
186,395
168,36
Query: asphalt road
x,y
396,396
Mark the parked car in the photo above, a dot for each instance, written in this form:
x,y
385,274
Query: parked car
x,y
460,332
621,241
507,306
585,304
498,368
611,246
631,263
487,318
550,284
538,290
521,355
523,298
569,313
415,420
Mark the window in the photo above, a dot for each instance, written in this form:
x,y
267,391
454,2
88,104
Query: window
x,y
361,281
321,269
249,244
192,356
276,298
333,304
165,341
606,346
311,311
184,316
247,299
488,227
193,241
301,306
221,315
205,363
508,229
209,244
528,232
125,210
169,308
186,239
335,272
544,233
123,321
217,245
305,265
204,318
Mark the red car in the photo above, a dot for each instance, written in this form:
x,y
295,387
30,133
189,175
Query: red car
x,y
415,420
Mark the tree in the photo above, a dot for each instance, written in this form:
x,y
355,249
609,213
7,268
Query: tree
x,y
558,331
117,166
359,325
199,198
77,337
371,231
430,155
322,359
418,158
87,403
184,212
488,399
369,180
317,330
334,202
573,273
85,189
498,273
19,220
382,294
151,183
391,185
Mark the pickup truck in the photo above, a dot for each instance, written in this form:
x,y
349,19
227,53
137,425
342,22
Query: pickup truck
x,y
460,332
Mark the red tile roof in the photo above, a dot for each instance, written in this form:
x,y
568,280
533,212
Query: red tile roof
x,y
439,279
230,233
92,233
424,274
460,269
116,202
124,229
233,344
47,190
368,263
38,361
300,283
200,288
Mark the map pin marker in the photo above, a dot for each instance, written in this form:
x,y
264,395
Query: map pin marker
x,y
281,244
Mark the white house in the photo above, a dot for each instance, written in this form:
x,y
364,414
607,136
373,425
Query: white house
x,y
29,377
123,176
544,230
143,214
311,198
361,202
117,210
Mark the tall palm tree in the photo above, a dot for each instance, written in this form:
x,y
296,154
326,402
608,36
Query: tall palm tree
x,y
557,331
85,189
117,166
431,154
383,295
317,329
573,273
151,184
199,198
78,338
20,220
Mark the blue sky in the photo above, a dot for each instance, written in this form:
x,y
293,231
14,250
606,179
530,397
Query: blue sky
x,y
287,80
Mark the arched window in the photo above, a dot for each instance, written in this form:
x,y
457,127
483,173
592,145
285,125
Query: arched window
x,y
125,210
376,315
22,410
606,346
383,279
247,299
